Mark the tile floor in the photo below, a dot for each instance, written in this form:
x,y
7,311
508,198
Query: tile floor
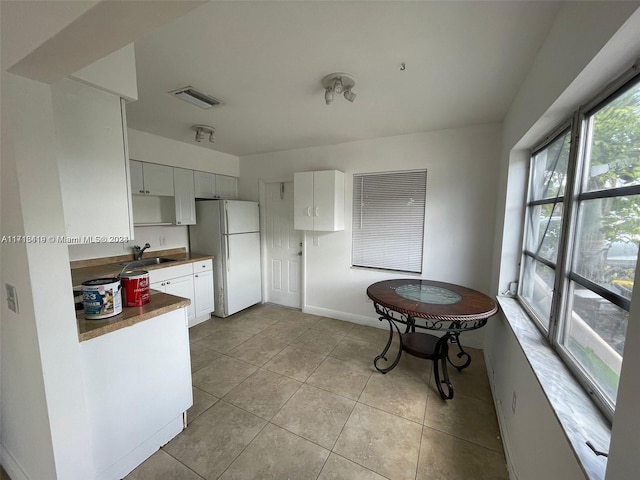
x,y
279,394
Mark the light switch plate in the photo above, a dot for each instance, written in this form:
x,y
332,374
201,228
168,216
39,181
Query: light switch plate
x,y
12,297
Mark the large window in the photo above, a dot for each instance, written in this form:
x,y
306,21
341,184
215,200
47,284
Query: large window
x,y
388,220
582,234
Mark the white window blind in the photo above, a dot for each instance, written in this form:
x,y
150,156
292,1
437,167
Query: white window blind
x,y
388,220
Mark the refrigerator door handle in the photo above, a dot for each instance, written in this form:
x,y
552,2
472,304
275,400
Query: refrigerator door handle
x,y
226,217
228,266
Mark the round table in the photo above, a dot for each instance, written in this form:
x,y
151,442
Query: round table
x,y
430,305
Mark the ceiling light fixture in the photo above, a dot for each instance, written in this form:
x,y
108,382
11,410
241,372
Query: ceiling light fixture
x,y
340,83
202,130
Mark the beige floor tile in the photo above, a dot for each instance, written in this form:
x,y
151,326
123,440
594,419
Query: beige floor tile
x,y
222,375
162,465
277,454
224,340
337,376
377,336
317,341
201,356
214,439
400,395
263,393
415,367
287,331
445,456
259,349
358,352
201,402
295,363
280,313
251,323
315,414
204,329
339,468
465,417
385,443
332,325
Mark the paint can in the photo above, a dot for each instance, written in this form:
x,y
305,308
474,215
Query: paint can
x,y
101,298
135,288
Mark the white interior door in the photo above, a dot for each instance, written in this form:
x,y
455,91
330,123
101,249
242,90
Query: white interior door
x,y
284,248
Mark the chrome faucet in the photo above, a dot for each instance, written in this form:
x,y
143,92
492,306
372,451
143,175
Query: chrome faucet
x,y
139,251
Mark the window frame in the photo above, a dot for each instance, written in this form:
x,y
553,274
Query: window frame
x,y
575,193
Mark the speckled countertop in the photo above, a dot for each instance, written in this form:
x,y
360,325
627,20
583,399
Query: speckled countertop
x,y
159,304
83,270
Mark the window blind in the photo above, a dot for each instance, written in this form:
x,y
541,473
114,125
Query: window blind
x,y
388,220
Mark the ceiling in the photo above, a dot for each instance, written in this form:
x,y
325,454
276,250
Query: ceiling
x,y
265,61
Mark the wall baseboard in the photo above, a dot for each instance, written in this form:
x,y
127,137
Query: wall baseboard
x,y
469,341
11,466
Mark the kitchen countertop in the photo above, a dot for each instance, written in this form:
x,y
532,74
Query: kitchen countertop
x,y
160,303
83,270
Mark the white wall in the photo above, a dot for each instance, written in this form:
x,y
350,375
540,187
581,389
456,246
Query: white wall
x,y
461,184
42,409
159,237
587,47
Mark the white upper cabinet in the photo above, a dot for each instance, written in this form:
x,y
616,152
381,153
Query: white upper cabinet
x,y
184,196
151,179
205,184
211,185
90,130
318,199
226,187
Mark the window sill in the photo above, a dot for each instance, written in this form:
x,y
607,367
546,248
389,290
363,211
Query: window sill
x,y
578,416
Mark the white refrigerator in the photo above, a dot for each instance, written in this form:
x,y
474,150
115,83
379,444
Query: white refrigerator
x,y
230,231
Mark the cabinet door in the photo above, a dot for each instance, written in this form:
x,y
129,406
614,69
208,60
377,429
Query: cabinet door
x,y
137,179
303,201
205,184
184,196
183,287
92,161
328,200
226,187
158,179
159,286
203,286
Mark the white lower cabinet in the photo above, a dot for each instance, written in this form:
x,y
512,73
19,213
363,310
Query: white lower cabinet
x,y
193,281
180,287
203,287
137,387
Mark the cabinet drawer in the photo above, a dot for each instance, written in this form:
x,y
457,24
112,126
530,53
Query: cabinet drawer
x,y
202,266
162,274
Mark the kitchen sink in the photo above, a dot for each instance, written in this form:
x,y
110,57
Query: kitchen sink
x,y
146,262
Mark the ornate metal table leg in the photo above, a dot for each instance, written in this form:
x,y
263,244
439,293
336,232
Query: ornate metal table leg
x,y
386,349
440,367
455,338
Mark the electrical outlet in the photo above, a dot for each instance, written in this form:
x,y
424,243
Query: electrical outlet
x,y
316,241
162,241
513,403
12,297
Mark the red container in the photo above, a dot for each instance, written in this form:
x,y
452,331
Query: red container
x,y
135,288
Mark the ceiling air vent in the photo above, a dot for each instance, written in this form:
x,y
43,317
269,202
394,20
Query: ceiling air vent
x,y
191,95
